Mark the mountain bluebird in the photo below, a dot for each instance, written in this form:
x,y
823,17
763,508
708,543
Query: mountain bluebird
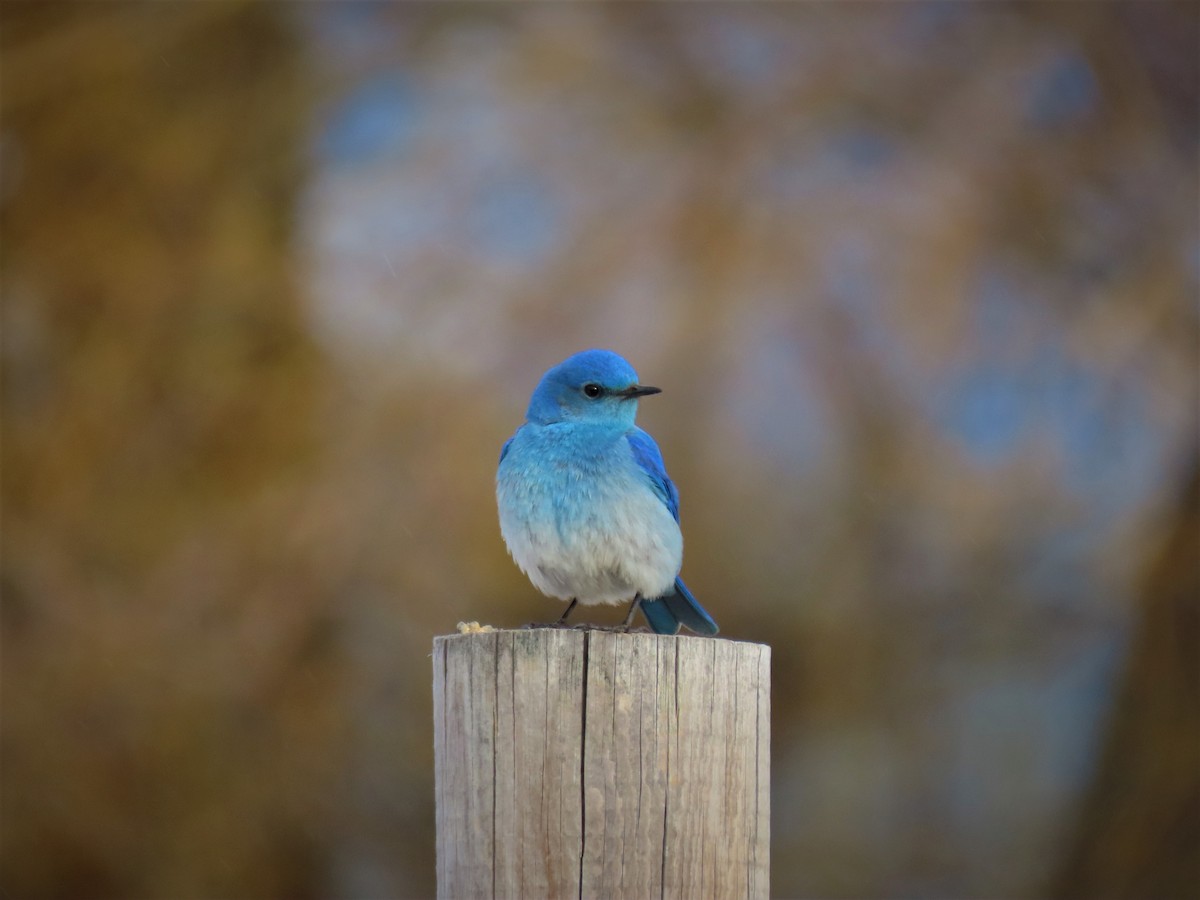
x,y
586,507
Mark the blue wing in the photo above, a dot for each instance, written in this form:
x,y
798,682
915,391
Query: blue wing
x,y
676,607
504,449
649,458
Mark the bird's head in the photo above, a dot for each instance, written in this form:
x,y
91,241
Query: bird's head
x,y
592,386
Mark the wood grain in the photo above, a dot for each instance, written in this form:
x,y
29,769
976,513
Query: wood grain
x,y
592,764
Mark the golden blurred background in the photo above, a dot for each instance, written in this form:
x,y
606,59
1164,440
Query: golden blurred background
x,y
919,281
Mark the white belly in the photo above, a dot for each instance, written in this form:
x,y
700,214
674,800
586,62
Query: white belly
x,y
598,540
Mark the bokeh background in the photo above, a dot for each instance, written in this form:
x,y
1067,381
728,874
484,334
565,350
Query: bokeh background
x,y
919,281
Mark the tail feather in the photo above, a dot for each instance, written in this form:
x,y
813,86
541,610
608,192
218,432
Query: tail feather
x,y
666,613
660,617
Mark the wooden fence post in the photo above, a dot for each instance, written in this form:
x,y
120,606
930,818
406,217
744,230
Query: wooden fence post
x,y
592,764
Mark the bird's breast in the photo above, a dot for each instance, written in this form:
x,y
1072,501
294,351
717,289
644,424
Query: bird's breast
x,y
586,524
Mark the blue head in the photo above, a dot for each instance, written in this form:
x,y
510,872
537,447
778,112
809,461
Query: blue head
x,y
592,386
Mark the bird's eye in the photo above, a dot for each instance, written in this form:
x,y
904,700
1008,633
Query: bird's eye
x,y
592,390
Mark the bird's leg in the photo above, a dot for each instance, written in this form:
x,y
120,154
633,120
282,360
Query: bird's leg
x,y
562,620
633,608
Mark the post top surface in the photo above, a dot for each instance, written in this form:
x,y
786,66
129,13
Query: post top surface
x,y
474,630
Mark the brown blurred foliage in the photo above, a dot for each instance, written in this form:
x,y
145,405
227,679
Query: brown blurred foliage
x,y
919,283
1139,833
165,647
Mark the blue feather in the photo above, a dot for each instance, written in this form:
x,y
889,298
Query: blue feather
x,y
666,613
660,617
649,459
690,613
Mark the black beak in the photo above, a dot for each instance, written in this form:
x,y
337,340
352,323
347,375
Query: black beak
x,y
638,390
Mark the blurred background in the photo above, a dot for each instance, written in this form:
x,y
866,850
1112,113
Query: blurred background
x,y
919,281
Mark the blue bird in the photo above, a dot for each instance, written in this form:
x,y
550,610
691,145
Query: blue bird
x,y
586,507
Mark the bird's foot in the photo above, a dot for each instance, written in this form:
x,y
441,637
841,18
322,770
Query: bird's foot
x,y
582,626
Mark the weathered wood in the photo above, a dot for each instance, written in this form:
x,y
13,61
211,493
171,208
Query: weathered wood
x,y
591,764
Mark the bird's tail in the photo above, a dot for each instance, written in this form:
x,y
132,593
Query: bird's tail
x,y
677,607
